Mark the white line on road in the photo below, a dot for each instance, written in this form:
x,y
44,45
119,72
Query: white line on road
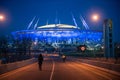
x,y
53,67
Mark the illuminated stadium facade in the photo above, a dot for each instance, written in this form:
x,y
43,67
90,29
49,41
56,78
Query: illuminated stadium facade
x,y
60,34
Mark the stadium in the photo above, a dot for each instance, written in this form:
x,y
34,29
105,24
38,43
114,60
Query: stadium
x,y
58,35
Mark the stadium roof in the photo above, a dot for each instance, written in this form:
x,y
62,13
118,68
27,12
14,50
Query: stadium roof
x,y
57,26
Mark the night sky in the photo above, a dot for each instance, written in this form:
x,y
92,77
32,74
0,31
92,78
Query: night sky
x,y
19,13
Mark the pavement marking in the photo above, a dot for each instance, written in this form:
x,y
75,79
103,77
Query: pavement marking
x,y
53,67
15,71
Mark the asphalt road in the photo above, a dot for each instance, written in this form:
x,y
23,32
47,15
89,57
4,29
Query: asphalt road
x,y
54,69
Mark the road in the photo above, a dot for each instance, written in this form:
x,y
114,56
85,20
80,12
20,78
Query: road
x,y
55,69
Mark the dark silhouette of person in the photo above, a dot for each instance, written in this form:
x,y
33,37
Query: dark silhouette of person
x,y
40,61
64,58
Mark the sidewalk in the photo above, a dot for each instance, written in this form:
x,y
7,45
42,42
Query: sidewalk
x,y
109,60
103,63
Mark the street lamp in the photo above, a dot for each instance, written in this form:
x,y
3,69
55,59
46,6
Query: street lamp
x,y
95,17
2,17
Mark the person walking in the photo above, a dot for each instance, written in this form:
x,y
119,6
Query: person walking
x,y
64,58
40,61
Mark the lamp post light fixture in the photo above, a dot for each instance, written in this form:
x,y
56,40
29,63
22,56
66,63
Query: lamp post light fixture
x,y
95,17
2,17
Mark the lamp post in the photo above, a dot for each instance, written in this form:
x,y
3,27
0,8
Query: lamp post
x,y
95,18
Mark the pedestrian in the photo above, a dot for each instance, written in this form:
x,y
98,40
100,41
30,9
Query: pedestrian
x,y
40,61
64,58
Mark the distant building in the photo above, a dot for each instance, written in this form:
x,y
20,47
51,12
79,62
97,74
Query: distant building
x,y
61,34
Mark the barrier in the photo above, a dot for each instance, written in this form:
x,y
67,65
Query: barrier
x,y
110,66
11,66
0,62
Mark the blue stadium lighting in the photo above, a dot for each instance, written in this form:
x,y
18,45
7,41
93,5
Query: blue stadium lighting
x,y
61,32
55,34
